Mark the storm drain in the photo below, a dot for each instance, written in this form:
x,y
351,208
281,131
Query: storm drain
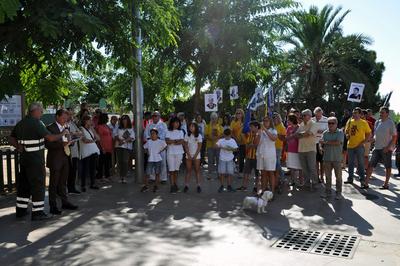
x,y
328,244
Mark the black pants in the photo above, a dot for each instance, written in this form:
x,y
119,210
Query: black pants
x,y
241,153
31,182
58,183
104,166
89,169
73,170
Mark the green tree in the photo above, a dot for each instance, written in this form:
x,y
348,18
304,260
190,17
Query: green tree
x,y
42,38
323,60
218,39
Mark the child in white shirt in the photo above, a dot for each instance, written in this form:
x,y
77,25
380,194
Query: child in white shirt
x,y
175,140
226,164
193,142
153,147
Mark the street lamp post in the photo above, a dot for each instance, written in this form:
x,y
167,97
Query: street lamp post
x,y
137,90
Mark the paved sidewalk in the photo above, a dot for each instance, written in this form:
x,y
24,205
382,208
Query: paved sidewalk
x,y
118,225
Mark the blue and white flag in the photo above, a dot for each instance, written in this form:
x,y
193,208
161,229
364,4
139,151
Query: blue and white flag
x,y
256,100
270,101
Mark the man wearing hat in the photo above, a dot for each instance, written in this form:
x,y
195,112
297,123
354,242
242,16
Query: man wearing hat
x,y
162,131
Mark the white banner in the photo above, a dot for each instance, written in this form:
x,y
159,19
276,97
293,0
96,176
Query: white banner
x,y
210,103
356,92
234,92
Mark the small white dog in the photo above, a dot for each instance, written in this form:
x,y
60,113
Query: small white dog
x,y
259,203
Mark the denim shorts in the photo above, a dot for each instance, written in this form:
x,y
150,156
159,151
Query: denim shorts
x,y
226,167
153,168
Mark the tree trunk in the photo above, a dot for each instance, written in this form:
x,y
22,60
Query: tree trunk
x,y
196,100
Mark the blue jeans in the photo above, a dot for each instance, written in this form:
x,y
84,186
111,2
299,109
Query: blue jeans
x,y
356,154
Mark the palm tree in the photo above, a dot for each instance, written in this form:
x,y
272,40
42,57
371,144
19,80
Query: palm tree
x,y
320,50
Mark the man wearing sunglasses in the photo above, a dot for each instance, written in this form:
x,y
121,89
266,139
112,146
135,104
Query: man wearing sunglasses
x,y
332,144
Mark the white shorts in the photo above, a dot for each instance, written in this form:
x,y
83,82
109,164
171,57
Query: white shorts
x,y
266,164
174,162
293,161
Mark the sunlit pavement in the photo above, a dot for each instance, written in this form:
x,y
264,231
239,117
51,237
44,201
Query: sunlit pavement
x,y
118,225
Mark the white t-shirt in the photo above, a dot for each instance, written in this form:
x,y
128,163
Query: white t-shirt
x,y
124,133
225,155
321,124
174,135
88,149
193,144
155,147
266,147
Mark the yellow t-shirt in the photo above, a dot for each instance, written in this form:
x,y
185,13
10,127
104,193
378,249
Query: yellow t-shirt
x,y
212,134
237,128
281,131
356,130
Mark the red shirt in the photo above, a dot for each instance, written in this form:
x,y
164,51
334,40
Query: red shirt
x,y
106,141
371,122
293,144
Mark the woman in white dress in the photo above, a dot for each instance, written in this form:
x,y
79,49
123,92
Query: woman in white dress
x,y
266,154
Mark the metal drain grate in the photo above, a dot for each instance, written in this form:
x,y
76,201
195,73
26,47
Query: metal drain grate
x,y
298,240
336,245
329,244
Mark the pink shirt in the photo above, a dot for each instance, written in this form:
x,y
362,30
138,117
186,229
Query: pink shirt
x,y
106,140
293,144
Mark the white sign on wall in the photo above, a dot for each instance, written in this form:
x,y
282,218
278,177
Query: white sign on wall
x,y
10,111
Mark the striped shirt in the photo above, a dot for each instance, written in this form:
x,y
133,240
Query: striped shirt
x,y
250,150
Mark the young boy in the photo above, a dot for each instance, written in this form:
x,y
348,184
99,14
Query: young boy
x,y
153,147
251,159
226,164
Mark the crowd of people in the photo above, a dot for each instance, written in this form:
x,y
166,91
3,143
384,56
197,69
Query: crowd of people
x,y
91,148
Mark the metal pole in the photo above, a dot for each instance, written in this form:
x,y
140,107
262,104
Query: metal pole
x,y
138,93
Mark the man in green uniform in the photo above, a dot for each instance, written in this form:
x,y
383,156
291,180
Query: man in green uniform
x,y
28,137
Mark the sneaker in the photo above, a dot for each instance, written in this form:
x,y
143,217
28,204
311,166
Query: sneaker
x,y
348,182
155,188
231,189
221,189
144,189
198,189
40,216
242,188
186,189
364,186
338,196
